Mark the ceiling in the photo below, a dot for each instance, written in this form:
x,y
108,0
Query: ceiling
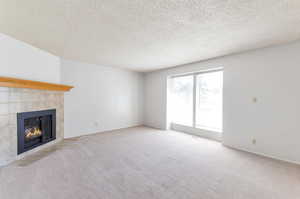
x,y
146,35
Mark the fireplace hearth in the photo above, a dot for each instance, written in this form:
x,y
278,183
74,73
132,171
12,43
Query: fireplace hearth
x,y
35,129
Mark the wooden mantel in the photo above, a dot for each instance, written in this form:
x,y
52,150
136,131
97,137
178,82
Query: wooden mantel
x,y
20,83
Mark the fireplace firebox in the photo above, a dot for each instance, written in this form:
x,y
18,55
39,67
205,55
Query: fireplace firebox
x,y
35,129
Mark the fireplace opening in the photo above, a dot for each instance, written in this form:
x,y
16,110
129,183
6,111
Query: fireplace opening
x,y
32,133
32,128
35,128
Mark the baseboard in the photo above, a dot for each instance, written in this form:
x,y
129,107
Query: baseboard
x,y
152,127
197,132
261,154
104,131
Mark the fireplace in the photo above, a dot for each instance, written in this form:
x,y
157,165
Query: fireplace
x,y
35,129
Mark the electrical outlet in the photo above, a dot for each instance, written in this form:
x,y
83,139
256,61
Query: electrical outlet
x,y
96,124
254,141
254,100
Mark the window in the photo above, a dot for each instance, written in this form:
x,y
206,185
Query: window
x,y
197,100
209,101
182,100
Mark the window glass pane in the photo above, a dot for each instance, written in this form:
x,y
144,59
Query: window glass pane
x,y
182,100
209,101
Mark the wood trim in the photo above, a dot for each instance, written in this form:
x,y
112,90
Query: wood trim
x,y
20,83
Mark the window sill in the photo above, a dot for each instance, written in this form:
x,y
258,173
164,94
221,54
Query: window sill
x,y
198,132
208,129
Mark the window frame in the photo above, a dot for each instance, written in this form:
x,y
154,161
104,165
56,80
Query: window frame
x,y
195,74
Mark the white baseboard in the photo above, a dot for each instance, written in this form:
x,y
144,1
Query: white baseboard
x,y
261,154
198,132
218,137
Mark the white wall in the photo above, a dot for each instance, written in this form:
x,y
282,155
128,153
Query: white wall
x,y
104,98
271,75
20,60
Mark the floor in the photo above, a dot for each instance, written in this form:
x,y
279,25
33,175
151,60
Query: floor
x,y
144,163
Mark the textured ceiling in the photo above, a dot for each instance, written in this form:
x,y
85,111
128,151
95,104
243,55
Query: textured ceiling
x,y
146,35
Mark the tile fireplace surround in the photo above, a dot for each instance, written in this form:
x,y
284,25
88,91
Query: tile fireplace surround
x,y
16,100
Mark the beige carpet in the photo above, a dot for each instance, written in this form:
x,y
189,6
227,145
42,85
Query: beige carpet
x,y
143,163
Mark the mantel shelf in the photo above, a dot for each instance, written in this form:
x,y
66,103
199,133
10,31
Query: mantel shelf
x,y
20,83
